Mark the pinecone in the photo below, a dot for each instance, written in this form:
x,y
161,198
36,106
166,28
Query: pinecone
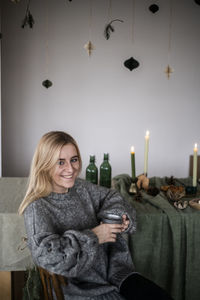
x,y
138,197
153,191
171,180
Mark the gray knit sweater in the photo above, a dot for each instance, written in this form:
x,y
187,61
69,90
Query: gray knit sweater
x,y
61,240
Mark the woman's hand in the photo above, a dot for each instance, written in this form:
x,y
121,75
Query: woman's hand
x,y
125,222
107,232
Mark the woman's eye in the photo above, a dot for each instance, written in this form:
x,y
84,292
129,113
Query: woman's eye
x,y
73,160
61,162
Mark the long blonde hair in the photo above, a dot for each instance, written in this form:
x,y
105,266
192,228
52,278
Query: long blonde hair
x,y
45,157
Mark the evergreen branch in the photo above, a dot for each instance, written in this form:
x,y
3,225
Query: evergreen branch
x,y
28,19
109,28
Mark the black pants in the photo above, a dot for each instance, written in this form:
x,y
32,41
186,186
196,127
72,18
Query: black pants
x,y
137,287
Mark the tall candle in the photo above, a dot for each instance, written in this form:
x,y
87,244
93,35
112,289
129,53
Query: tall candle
x,y
133,162
146,151
194,179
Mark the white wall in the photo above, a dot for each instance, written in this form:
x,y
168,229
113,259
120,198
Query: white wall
x,y
102,104
0,99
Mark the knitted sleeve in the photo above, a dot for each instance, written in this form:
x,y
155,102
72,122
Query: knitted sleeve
x,y
69,254
111,201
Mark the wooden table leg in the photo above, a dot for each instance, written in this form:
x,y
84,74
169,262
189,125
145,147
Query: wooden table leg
x,y
5,285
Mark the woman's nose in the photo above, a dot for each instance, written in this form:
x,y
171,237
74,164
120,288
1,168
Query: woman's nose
x,y
68,166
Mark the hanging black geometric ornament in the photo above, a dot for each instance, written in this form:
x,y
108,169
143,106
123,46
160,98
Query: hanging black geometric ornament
x,y
197,2
154,8
47,83
131,63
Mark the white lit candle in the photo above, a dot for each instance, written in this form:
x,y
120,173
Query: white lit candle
x,y
194,179
146,151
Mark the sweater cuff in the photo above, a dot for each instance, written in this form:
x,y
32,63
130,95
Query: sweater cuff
x,y
118,278
93,240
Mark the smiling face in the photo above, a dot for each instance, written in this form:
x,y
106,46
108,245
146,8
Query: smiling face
x,y
66,170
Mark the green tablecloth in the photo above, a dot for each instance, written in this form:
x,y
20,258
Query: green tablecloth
x,y
166,246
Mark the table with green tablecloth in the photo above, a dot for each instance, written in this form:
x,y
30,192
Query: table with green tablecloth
x,y
166,245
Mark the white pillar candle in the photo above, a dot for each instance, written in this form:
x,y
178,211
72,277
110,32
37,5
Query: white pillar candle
x,y
194,179
146,151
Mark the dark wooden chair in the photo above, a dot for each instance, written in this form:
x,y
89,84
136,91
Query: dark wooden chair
x,y
52,280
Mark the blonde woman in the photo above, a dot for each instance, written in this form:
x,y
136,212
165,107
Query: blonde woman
x,y
63,218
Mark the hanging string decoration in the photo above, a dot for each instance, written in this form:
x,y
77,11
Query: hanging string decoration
x,y
28,19
169,69
109,28
132,63
154,8
47,83
89,47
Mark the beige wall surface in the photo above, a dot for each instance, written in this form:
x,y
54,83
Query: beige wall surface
x,y
106,107
0,101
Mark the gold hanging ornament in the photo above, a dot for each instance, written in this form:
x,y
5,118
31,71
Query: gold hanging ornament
x,y
89,47
169,70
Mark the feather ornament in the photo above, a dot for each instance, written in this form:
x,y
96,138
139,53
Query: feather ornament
x,y
28,20
109,28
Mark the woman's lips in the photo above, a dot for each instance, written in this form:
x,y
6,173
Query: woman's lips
x,y
67,176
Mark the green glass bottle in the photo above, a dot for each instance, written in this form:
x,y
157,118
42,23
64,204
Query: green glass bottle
x,y
92,171
105,172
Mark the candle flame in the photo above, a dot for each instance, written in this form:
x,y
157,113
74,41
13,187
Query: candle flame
x,y
147,133
132,149
195,147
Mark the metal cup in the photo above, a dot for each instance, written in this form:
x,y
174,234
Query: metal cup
x,y
112,219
